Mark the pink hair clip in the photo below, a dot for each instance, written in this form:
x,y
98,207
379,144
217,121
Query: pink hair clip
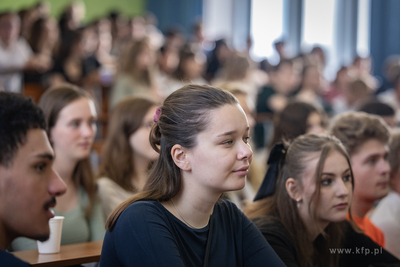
x,y
157,115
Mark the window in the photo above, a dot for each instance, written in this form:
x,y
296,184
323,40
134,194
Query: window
x,y
266,27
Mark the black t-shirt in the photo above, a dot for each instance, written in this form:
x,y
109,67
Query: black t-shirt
x,y
356,245
147,234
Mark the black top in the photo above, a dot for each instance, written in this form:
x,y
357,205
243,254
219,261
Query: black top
x,y
88,65
358,250
7,260
147,234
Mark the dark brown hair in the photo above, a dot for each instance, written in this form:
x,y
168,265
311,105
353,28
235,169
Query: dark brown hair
x,y
126,118
52,102
282,207
184,115
291,122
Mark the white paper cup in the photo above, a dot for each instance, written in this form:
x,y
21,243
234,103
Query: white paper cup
x,y
52,245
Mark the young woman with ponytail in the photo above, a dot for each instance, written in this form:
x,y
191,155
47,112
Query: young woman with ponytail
x,y
179,219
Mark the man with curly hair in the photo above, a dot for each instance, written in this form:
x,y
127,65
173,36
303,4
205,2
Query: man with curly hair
x,y
28,184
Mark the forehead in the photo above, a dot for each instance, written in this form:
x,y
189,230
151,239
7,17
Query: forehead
x,y
9,18
335,162
36,144
226,118
79,108
370,147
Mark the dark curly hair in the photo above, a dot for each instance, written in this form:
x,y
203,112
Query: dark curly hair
x,y
18,114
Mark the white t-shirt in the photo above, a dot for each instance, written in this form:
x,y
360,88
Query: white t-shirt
x,y
386,216
13,57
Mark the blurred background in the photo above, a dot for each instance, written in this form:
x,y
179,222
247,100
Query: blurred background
x,y
344,28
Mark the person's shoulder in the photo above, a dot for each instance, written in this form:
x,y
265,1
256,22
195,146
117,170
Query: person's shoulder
x,y
143,208
105,182
141,213
269,224
7,259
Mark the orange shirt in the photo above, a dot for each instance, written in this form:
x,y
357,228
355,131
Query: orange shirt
x,y
370,229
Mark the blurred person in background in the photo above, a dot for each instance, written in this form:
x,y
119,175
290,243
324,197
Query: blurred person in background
x,y
15,54
312,87
136,75
44,41
75,62
392,96
127,154
190,69
217,59
386,215
385,111
296,119
167,61
238,70
338,86
273,98
352,98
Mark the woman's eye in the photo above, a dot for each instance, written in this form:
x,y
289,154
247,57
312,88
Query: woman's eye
x,y
347,178
246,139
228,142
326,182
75,124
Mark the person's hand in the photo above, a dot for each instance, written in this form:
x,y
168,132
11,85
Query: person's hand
x,y
39,63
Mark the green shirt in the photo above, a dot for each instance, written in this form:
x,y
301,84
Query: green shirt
x,y
76,227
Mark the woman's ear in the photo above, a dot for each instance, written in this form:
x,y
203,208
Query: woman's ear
x,y
180,157
294,190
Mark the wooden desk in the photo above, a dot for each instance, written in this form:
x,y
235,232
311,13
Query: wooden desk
x,y
69,255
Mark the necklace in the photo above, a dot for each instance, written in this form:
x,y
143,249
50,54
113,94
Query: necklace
x,y
188,224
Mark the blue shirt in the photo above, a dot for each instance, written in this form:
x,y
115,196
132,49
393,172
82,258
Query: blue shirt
x,y
7,259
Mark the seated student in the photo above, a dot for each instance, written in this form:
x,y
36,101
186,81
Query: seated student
x,y
28,184
274,97
189,70
15,54
127,153
386,215
295,119
365,138
353,96
385,111
256,171
302,204
202,136
71,121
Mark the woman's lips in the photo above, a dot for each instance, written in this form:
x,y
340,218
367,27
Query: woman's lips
x,y
341,206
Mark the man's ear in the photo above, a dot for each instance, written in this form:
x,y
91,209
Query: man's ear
x,y
294,190
180,157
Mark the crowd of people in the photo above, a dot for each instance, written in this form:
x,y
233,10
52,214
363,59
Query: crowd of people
x,y
183,177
